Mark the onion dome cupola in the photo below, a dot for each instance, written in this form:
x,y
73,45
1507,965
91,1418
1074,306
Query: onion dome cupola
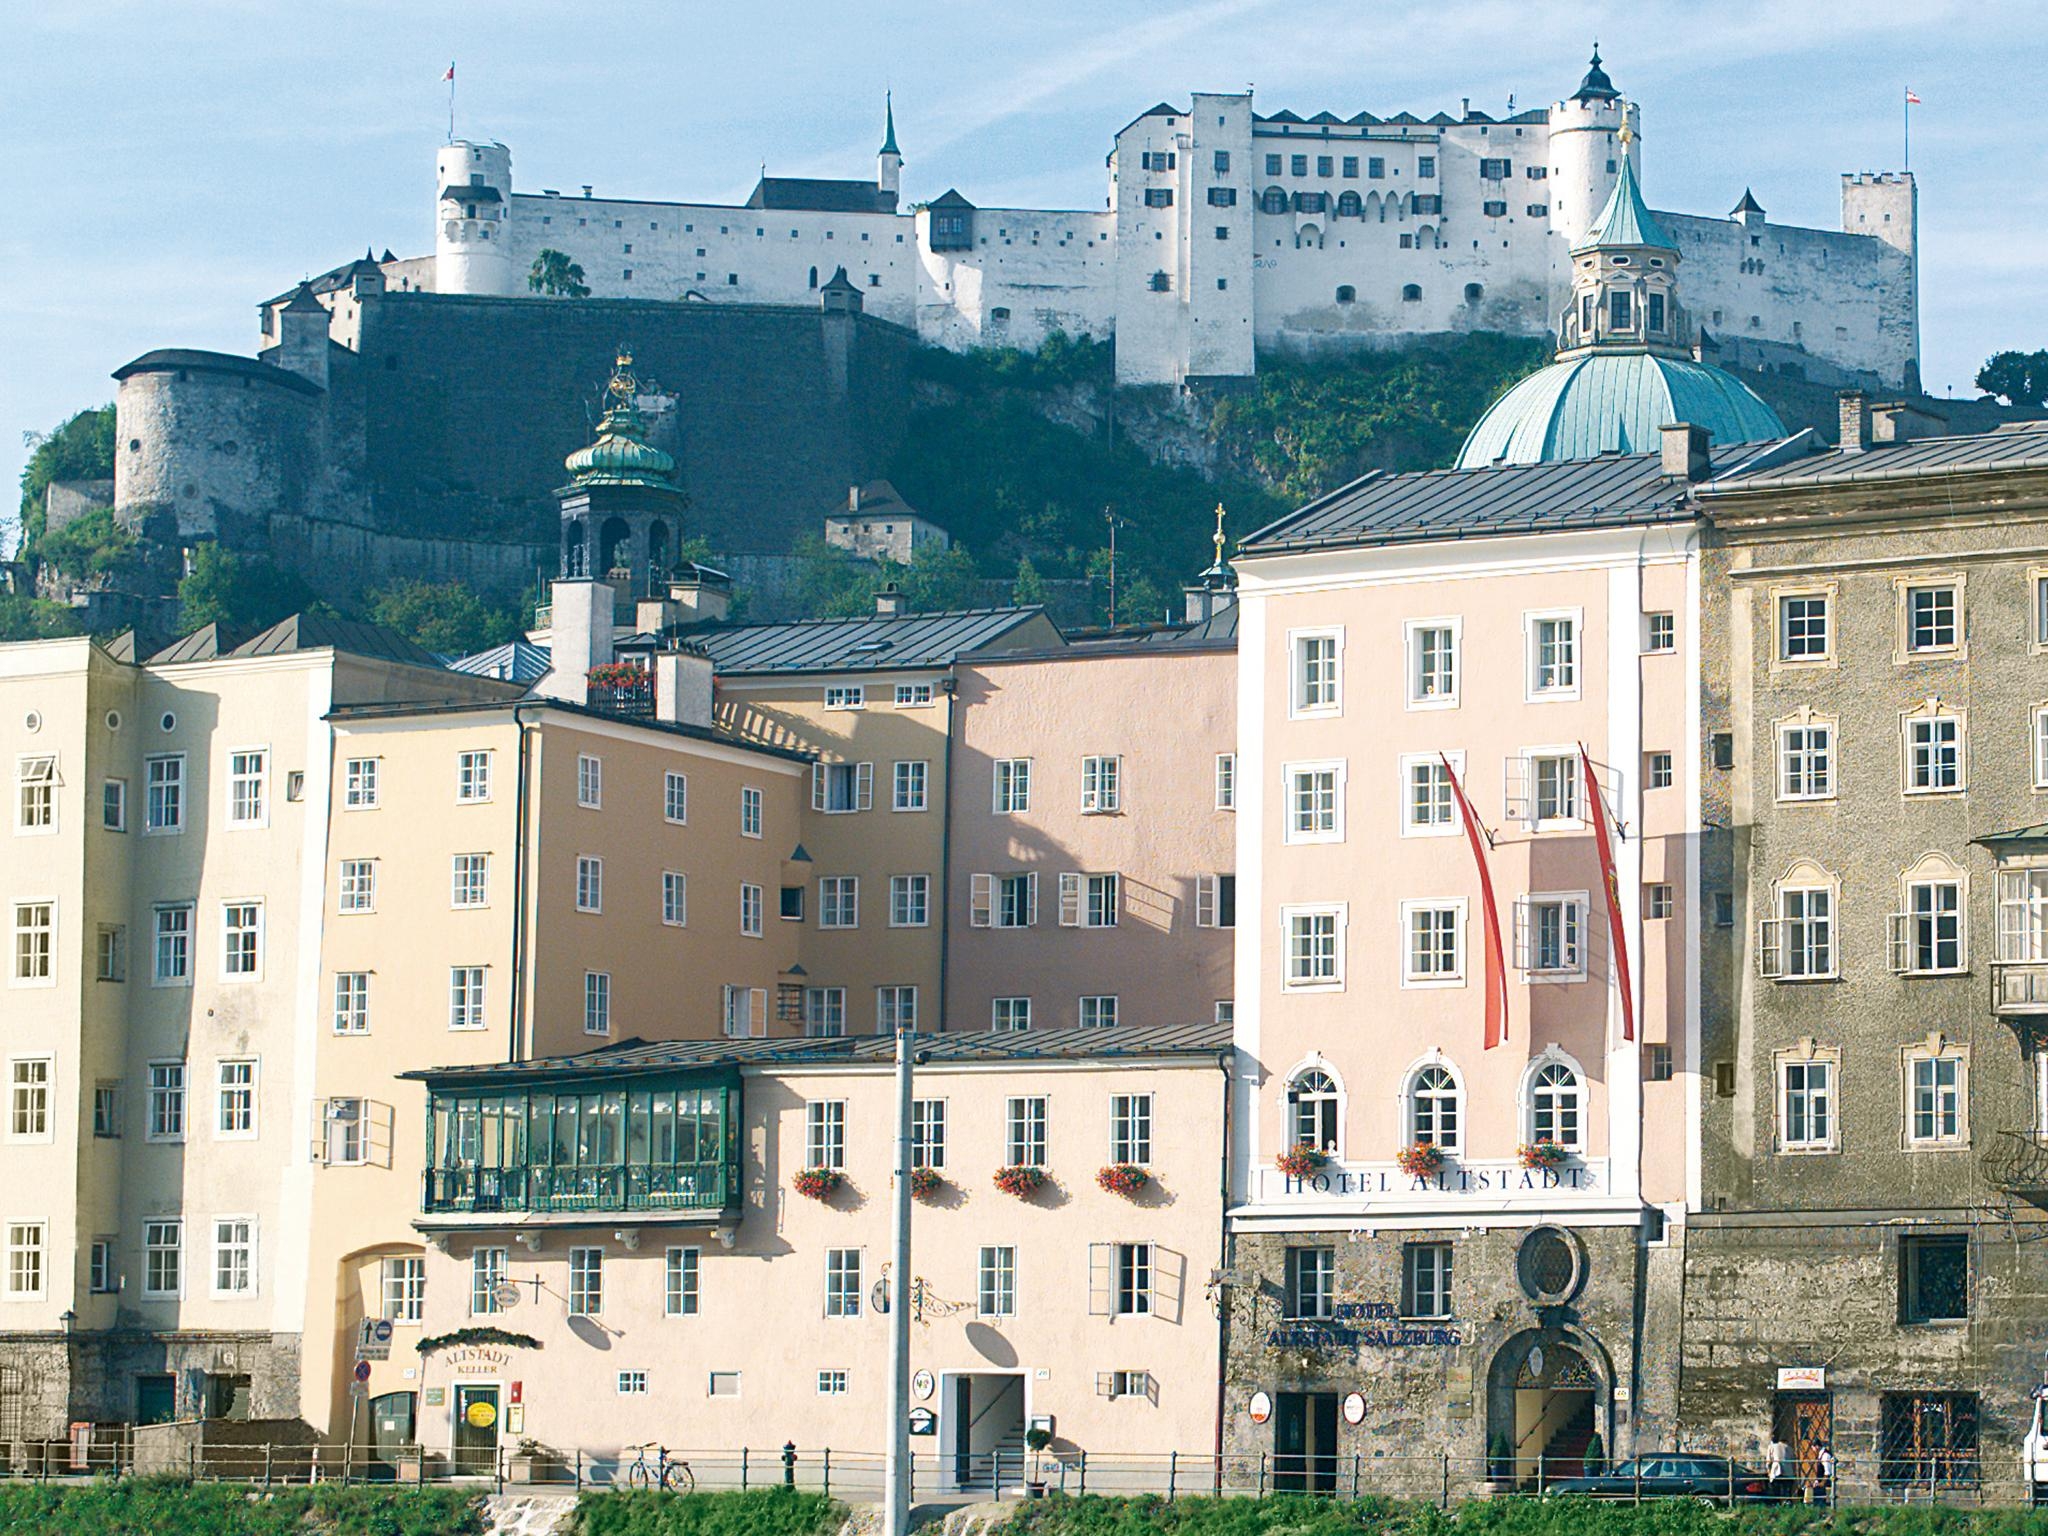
x,y
622,507
1596,86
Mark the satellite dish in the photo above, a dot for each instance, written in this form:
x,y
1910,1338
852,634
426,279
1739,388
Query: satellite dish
x,y
505,1295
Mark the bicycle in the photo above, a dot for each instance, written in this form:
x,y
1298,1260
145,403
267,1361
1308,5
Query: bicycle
x,y
673,1476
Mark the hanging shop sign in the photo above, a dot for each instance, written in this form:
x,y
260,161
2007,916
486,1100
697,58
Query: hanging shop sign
x,y
1802,1378
1354,1408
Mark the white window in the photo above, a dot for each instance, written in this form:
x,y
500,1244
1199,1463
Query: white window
x,y
358,885
346,1137
35,925
1928,936
895,1008
164,805
1426,1280
36,781
842,788
1313,1108
351,1002
751,911
163,1258
241,938
1933,618
597,1002
1024,1139
849,697
28,1102
1098,1011
405,1288
359,784
722,1384
1433,950
466,997
824,1012
589,781
469,880
1215,901
114,805
1226,781
750,812
1435,1108
1101,785
675,798
174,945
1009,1013
235,1100
586,1282
488,1269
909,901
996,1283
839,901
1012,786
110,953
675,898
1090,901
1806,1105
632,1383
679,1283
842,1282
26,1263
1934,754
102,1274
1806,760
1799,943
928,1133
472,776
1804,633
248,780
1556,1105
825,1133
910,784
1120,1279
1130,1128
1315,802
1660,632
1553,646
913,695
1315,664
1550,933
1433,664
1428,806
589,884
1657,770
1657,899
745,1011
1315,946
1544,790
1935,1099
2041,744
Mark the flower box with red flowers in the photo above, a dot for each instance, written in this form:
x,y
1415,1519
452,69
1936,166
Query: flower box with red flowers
x,y
818,1183
1022,1180
1544,1154
1421,1161
1124,1179
925,1183
1300,1162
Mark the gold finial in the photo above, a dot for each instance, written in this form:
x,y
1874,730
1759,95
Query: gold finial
x,y
623,385
1218,540
1627,134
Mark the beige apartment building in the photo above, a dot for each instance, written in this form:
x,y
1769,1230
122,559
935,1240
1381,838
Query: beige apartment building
x,y
165,847
670,1282
1093,837
506,881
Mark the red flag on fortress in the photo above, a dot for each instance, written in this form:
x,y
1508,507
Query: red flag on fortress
x,y
1496,963
1615,929
450,76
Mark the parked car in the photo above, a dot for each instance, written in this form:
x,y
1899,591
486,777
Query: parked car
x,y
1678,1475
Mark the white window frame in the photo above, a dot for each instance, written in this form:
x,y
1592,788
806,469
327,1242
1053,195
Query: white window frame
x,y
825,1134
824,1012
469,881
838,902
1535,691
1305,696
1828,1094
32,960
1130,1128
1575,916
240,775
181,943
1410,827
1411,979
351,1002
1337,915
1933,877
589,781
1026,1134
466,991
114,798
910,784
1010,787
1412,634
1440,1260
158,1227
35,794
226,1094
586,1282
31,1098
682,1280
1660,624
359,785
163,794
1209,900
1434,1114
1102,785
859,779
845,1281
752,812
846,696
589,883
675,899
1090,899
345,1132
1226,781
356,885
28,1253
895,1008
910,901
995,1281
1927,1056
753,911
913,695
1958,647
1805,757
675,798
1293,832
1773,931
1534,1090
1781,621
1098,1010
597,1002
229,950
243,1241
473,776
1932,719
743,1012
1009,1015
1524,797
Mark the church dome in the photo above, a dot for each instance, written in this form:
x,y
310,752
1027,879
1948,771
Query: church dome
x,y
1608,401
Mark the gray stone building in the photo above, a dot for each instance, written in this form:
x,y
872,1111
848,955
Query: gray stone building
x,y
1865,1270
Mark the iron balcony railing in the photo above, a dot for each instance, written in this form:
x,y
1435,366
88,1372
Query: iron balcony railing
x,y
709,1187
2016,1162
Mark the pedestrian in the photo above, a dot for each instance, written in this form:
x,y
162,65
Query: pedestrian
x,y
1776,1454
1827,1475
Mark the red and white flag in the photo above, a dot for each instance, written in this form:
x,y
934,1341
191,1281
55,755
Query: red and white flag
x,y
449,78
1911,99
1496,961
1617,933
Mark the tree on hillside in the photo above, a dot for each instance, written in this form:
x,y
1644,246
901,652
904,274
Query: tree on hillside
x,y
241,593
444,617
81,449
34,618
556,275
2017,378
91,545
1030,586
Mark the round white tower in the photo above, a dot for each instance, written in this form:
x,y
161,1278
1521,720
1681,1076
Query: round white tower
x,y
1585,151
473,220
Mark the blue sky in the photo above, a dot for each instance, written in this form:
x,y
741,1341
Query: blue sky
x,y
171,162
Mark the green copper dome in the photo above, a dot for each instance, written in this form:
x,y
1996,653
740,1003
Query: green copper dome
x,y
1607,401
622,455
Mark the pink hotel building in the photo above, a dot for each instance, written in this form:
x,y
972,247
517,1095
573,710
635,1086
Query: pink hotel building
x,y
1487,1252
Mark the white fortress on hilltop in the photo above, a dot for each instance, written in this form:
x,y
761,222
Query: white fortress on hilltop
x,y
1226,234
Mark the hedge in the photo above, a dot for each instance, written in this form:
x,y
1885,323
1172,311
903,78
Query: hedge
x,y
160,1506
761,1512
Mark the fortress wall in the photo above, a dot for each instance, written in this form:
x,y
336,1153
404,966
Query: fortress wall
x,y
343,562
1051,270
224,451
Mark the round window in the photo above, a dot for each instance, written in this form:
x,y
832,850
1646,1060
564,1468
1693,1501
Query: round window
x,y
32,721
1548,1265
113,719
169,721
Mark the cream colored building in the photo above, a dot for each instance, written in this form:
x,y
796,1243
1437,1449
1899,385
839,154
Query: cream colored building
x,y
165,844
672,1284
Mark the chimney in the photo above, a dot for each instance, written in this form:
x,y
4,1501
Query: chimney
x,y
1854,435
1901,421
682,687
853,498
579,638
890,603
702,597
1684,450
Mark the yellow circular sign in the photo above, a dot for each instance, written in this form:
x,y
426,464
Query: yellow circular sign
x,y
481,1414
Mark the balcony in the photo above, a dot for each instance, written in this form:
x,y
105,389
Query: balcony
x,y
2016,1162
2019,988
544,1189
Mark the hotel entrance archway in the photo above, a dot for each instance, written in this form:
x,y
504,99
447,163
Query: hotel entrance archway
x,y
1546,1399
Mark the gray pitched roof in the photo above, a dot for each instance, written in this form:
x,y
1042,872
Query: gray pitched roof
x,y
1380,508
192,360
516,661
818,195
1125,1043
2016,445
868,644
312,631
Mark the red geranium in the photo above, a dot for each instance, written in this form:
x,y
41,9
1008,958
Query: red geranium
x,y
1023,1180
1422,1160
818,1183
1300,1162
1124,1179
925,1183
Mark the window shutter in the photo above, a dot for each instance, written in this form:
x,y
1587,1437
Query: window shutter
x,y
1770,948
317,1152
981,907
757,1012
864,787
1101,1279
1901,935
1151,1388
1520,806
1105,1383
1070,899
1525,956
1031,900
817,786
1205,901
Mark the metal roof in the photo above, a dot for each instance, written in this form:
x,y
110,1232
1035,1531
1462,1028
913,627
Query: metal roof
x,y
190,359
312,631
1609,490
2016,445
1626,220
819,195
867,644
516,661
1608,400
950,1048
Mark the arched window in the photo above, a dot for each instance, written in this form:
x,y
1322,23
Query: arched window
x,y
1474,293
1349,206
1556,1106
1346,294
1308,238
1433,1109
1273,200
1411,293
814,277
575,552
1312,1100
1427,239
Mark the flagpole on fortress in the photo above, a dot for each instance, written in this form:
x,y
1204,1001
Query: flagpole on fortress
x,y
450,78
1907,109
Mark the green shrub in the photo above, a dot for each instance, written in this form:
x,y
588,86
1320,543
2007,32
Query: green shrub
x,y
158,1506
764,1512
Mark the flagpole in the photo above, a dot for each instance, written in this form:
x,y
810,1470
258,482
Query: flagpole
x,y
1906,107
451,102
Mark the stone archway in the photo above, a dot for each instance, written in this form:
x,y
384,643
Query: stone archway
x,y
1547,1394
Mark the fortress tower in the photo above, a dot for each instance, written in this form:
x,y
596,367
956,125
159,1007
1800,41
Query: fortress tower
x,y
1586,150
889,161
473,229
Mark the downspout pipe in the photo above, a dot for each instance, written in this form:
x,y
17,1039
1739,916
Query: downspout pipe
x,y
516,1046
1226,1061
951,685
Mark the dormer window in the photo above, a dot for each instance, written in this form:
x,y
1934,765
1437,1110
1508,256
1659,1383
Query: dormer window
x,y
1620,314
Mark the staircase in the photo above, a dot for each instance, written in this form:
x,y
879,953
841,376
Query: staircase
x,y
1011,1460
1565,1454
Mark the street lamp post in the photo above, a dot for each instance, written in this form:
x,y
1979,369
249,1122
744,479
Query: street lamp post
x,y
898,1466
